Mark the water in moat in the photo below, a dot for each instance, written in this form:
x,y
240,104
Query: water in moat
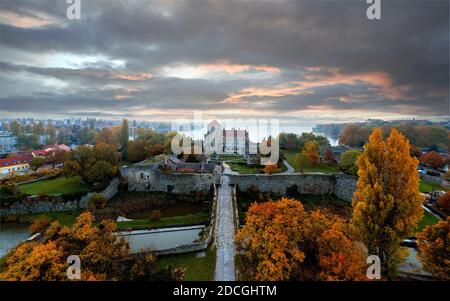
x,y
11,234
161,239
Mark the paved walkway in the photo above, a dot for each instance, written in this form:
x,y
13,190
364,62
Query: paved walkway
x,y
290,169
224,235
227,169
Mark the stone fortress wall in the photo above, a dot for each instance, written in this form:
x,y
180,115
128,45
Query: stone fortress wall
x,y
145,179
33,204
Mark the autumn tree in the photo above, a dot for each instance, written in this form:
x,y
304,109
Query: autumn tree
x,y
105,152
433,159
37,162
354,135
311,152
387,204
302,161
96,202
35,261
156,149
57,157
270,169
284,242
434,249
72,168
341,255
103,256
272,240
444,202
101,172
51,132
328,155
137,150
347,161
106,136
39,224
415,151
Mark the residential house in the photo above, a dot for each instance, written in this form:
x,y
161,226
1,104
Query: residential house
x,y
19,164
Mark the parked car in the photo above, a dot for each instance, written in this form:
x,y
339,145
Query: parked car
x,y
433,173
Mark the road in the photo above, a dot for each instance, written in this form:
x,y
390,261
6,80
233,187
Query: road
x,y
224,233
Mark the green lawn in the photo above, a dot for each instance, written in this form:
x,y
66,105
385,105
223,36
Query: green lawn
x,y
325,168
193,219
427,220
197,268
65,218
257,169
60,185
228,157
428,186
68,218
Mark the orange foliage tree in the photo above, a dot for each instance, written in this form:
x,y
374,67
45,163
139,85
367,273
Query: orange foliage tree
x,y
311,152
102,255
433,159
387,204
341,255
272,239
444,202
270,169
284,242
434,249
328,155
354,135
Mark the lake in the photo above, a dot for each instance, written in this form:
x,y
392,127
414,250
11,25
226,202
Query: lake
x,y
11,234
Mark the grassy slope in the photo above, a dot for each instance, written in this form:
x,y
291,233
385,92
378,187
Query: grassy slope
x,y
325,168
60,185
197,268
428,187
165,222
427,220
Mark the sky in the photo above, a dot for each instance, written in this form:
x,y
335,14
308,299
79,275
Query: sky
x,y
299,61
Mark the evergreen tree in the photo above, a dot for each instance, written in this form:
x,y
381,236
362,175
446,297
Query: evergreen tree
x,y
123,138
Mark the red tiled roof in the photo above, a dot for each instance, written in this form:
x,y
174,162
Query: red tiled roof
x,y
39,152
15,160
56,147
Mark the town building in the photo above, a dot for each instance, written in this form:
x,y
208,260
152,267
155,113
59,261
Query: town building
x,y
8,143
19,164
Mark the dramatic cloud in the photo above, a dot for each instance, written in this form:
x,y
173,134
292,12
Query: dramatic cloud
x,y
161,59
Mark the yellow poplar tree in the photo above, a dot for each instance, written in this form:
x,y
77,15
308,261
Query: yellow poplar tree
x,y
311,152
387,204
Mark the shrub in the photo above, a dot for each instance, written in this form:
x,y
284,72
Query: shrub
x,y
155,215
270,169
347,162
39,224
444,202
9,189
97,201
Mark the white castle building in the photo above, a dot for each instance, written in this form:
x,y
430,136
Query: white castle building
x,y
233,141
